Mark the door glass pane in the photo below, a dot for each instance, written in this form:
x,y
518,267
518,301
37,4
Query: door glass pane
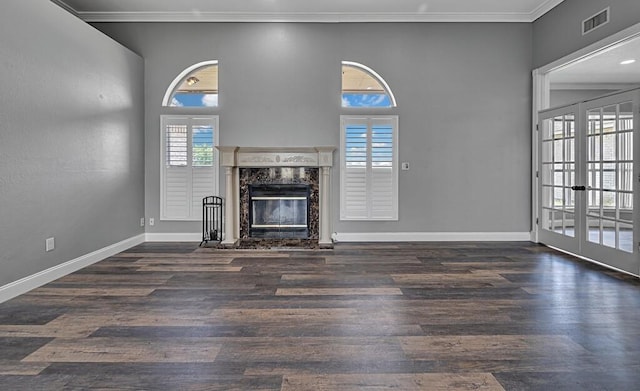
x,y
625,146
625,204
609,147
570,125
593,202
609,180
548,129
625,237
626,116
569,175
593,121
609,234
593,230
593,175
558,155
569,224
569,199
609,200
558,127
593,148
625,176
557,178
557,221
558,197
570,150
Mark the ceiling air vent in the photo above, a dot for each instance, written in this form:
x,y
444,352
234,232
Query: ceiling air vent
x,y
595,21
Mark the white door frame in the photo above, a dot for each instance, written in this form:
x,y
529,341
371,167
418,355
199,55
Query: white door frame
x,y
541,101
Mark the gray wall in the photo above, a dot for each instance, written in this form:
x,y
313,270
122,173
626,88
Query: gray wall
x,y
463,93
71,139
559,32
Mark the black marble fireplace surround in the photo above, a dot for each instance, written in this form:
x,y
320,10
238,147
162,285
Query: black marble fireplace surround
x,y
279,176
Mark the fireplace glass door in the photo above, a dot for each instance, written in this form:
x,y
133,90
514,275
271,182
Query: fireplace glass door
x,y
279,211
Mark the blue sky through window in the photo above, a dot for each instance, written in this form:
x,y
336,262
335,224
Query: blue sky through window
x,y
365,100
357,145
202,139
195,100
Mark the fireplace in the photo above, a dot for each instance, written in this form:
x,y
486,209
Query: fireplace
x,y
290,192
278,203
279,211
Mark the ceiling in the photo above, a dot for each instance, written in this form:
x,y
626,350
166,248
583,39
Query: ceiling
x,y
602,70
309,10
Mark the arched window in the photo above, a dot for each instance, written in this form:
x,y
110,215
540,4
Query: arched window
x,y
368,148
189,160
363,87
196,86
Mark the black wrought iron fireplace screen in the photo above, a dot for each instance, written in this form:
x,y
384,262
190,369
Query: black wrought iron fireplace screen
x,y
279,211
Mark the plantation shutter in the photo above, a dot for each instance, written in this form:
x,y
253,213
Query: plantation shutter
x,y
189,165
383,171
354,168
369,177
203,178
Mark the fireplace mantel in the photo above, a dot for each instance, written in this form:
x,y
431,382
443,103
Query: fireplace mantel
x,y
277,156
234,157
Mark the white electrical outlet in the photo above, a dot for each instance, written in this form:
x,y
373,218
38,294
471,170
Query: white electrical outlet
x,y
50,244
405,166
142,221
152,221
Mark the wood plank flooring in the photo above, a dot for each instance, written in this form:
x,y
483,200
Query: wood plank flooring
x,y
386,316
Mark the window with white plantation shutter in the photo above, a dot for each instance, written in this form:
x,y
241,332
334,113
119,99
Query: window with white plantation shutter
x,y
189,169
369,172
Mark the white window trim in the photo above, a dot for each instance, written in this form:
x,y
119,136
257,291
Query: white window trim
x,y
344,214
380,80
195,213
166,100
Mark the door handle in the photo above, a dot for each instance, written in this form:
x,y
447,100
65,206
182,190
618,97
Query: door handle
x,y
580,188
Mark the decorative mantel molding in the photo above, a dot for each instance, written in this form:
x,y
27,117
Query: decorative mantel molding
x,y
276,156
234,157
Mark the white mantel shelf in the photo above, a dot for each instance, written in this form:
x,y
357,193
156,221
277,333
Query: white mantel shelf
x,y
234,157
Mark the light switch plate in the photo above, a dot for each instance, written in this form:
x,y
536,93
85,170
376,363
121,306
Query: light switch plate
x,y
405,166
50,244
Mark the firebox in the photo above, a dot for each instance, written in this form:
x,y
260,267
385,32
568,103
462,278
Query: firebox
x,y
279,211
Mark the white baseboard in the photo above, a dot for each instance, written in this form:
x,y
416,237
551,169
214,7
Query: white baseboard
x,y
174,237
432,236
33,281
378,237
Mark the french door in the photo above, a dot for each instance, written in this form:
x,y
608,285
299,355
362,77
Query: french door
x,y
586,191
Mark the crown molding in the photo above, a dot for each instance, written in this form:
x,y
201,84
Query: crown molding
x,y
65,7
315,17
292,17
543,9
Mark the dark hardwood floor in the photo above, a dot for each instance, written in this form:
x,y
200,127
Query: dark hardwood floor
x,y
401,316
